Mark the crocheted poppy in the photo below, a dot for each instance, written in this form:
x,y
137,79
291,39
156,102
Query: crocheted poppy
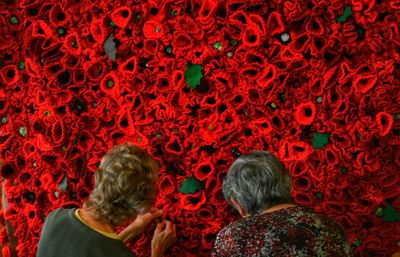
x,y
384,122
121,16
305,113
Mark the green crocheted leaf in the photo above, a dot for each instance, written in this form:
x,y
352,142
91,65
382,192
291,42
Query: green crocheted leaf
x,y
190,185
109,47
193,75
347,12
320,140
390,214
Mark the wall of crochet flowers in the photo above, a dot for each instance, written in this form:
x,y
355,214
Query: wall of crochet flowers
x,y
197,83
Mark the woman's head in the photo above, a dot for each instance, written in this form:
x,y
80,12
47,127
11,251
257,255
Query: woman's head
x,y
257,181
124,184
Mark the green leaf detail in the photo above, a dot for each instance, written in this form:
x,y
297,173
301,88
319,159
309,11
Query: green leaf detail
x,y
319,195
61,31
193,75
390,214
46,113
21,65
357,242
158,135
320,140
344,170
218,46
379,212
347,12
139,139
14,20
190,185
396,116
233,42
112,24
22,131
4,120
319,99
358,136
273,105
110,83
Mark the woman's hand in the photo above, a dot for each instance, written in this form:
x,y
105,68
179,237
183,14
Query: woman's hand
x,y
164,237
139,225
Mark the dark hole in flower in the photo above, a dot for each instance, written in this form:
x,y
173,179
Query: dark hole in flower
x,y
80,77
254,8
1,104
38,183
154,11
363,81
238,99
250,73
11,74
315,25
64,78
328,56
128,32
210,237
117,135
228,120
137,102
31,214
164,82
190,128
308,112
235,6
206,12
117,42
17,89
211,100
367,225
254,58
143,62
91,39
194,110
130,66
209,149
264,125
276,121
194,200
60,110
248,132
221,108
18,110
254,94
242,19
29,196
252,38
205,169
124,123
125,13
176,146
298,148
207,111
7,171
221,12
203,88
33,11
303,182
61,16
319,43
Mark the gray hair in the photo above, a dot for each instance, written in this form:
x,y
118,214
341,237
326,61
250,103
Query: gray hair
x,y
257,181
124,184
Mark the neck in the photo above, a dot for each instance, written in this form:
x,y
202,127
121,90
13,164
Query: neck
x,y
91,219
278,207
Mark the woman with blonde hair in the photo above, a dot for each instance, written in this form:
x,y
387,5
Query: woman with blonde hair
x,y
124,189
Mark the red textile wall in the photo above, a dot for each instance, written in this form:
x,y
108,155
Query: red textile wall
x,y
197,83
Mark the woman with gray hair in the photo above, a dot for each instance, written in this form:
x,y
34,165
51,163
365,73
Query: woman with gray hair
x,y
259,187
124,189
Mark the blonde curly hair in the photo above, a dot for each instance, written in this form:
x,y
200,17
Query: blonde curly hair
x,y
124,184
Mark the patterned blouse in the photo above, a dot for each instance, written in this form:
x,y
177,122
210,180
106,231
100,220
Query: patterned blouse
x,y
295,231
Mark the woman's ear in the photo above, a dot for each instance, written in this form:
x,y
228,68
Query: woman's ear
x,y
241,211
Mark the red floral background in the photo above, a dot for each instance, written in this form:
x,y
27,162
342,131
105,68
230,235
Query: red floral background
x,y
315,82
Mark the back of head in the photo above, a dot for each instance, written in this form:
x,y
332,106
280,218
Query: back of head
x,y
257,181
124,184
